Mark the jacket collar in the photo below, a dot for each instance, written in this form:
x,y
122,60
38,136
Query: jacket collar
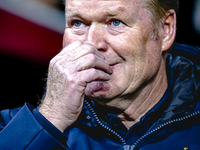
x,y
184,81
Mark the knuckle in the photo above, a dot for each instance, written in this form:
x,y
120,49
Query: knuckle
x,y
88,48
107,67
57,66
76,82
79,43
94,72
92,57
71,79
52,61
57,69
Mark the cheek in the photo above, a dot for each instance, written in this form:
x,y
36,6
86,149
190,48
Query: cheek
x,y
139,53
131,48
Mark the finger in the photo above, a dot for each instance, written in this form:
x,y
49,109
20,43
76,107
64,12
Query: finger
x,y
77,49
87,76
93,61
65,52
95,50
70,47
85,50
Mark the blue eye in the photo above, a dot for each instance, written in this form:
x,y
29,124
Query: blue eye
x,y
78,23
116,22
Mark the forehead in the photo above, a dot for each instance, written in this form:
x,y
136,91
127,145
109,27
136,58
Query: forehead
x,y
106,7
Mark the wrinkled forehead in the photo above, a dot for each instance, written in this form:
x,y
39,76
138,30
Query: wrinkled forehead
x,y
111,7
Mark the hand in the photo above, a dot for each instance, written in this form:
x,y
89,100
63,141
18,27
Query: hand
x,y
69,72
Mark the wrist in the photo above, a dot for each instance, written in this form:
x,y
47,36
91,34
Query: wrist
x,y
54,118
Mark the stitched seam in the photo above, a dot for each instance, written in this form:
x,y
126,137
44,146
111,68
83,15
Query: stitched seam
x,y
33,139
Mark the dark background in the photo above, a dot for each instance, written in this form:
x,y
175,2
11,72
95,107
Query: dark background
x,y
26,49
185,31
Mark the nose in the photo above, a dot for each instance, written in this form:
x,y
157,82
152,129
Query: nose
x,y
97,36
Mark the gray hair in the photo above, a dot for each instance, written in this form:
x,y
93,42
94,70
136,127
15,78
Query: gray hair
x,y
158,8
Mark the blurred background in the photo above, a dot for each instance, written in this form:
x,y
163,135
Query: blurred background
x,y
31,34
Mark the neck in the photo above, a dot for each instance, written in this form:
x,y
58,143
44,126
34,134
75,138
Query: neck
x,y
148,97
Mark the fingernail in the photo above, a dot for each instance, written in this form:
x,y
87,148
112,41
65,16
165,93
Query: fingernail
x,y
110,71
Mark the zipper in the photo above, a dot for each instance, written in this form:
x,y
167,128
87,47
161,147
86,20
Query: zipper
x,y
102,124
145,136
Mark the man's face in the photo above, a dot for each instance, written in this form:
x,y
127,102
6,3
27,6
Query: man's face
x,y
122,31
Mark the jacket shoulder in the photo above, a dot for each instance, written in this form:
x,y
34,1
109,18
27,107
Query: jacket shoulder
x,y
21,127
7,115
190,52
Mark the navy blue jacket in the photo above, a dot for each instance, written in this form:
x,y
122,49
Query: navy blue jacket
x,y
172,124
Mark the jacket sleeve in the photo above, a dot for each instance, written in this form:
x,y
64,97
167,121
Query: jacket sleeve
x,y
26,128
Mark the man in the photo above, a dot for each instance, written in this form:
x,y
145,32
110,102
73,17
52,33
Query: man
x,y
114,85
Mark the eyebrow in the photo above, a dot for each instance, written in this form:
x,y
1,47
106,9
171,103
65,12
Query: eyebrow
x,y
69,12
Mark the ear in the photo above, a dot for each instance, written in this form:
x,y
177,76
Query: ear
x,y
169,29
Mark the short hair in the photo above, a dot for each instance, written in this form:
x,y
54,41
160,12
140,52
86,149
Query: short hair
x,y
158,8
